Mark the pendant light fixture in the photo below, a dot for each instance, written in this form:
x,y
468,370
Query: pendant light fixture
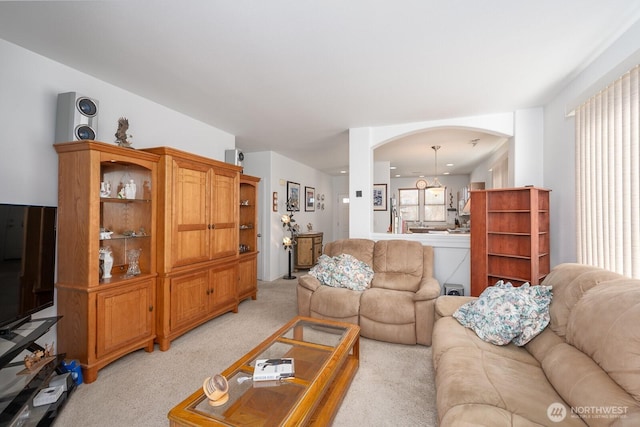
x,y
435,183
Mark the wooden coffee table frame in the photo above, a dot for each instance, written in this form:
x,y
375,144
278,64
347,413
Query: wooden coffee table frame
x,y
321,396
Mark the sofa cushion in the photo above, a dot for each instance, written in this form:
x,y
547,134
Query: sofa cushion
x,y
398,265
604,325
475,377
570,282
480,415
336,304
387,306
448,334
503,313
587,387
359,248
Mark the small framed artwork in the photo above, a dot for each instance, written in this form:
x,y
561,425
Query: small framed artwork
x,y
275,201
310,199
293,196
379,197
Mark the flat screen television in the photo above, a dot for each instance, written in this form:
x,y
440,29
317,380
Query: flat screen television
x,y
27,261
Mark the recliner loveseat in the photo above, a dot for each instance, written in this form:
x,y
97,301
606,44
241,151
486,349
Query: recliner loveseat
x,y
398,306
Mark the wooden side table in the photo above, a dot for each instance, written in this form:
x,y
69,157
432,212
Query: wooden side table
x,y
308,249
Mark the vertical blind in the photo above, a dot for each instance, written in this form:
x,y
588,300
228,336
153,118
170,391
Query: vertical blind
x,y
608,177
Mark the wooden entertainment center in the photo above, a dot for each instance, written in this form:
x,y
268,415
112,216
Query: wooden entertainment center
x,y
186,222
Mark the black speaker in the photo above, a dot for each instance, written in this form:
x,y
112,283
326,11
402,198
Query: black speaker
x,y
76,117
453,289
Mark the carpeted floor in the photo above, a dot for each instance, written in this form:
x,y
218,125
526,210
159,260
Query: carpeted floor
x,y
394,385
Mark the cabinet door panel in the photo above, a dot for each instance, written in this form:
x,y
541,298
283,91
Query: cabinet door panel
x,y
304,251
224,284
248,275
190,216
189,296
124,316
224,210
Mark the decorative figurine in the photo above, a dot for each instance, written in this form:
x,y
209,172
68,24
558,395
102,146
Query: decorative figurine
x,y
106,256
121,133
130,190
30,361
105,189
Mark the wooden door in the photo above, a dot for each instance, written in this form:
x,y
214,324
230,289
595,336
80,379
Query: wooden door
x,y
224,210
304,251
224,286
125,316
189,299
191,219
248,276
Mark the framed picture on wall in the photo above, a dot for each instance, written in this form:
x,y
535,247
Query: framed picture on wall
x,y
293,196
379,197
310,199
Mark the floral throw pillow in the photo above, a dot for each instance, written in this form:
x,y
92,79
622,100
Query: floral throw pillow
x,y
504,313
342,271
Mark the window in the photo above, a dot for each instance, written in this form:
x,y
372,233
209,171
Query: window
x,y
423,205
409,204
434,204
608,177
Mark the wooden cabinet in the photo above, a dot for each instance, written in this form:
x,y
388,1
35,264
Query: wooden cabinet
x,y
198,238
308,249
104,318
509,236
248,237
197,296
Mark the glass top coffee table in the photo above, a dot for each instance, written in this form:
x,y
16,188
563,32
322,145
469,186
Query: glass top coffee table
x,y
326,357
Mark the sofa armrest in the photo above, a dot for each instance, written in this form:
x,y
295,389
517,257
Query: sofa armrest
x,y
446,305
309,282
429,289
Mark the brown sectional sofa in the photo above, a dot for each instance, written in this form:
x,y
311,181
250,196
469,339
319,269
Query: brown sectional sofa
x,y
587,359
398,306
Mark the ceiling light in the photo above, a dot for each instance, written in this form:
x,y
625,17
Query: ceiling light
x,y
392,167
435,183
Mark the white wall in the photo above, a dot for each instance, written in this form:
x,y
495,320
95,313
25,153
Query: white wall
x,y
29,86
381,175
340,186
362,142
275,170
559,134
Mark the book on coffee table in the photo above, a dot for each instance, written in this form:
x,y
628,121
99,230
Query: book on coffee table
x,y
273,369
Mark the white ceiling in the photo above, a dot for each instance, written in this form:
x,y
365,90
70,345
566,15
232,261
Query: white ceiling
x,y
293,76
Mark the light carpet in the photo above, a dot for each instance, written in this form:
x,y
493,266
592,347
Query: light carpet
x,y
394,385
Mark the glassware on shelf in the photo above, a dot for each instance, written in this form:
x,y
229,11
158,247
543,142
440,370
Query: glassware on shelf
x,y
133,257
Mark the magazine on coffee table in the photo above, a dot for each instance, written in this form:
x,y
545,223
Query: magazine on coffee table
x,y
273,369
